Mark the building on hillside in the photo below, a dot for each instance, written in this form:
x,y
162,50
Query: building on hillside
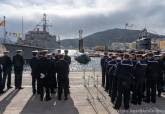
x,y
162,44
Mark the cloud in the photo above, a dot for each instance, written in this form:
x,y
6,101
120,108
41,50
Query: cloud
x,y
68,16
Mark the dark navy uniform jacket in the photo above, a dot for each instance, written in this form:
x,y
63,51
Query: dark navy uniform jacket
x,y
153,69
103,62
43,66
140,71
18,62
7,63
106,64
162,64
34,64
112,65
62,70
125,71
51,67
118,61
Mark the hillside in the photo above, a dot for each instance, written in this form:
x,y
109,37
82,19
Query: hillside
x,y
106,37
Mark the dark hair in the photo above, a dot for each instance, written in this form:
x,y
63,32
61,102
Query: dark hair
x,y
139,55
150,54
113,56
126,56
105,53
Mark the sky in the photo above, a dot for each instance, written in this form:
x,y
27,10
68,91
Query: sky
x,y
69,16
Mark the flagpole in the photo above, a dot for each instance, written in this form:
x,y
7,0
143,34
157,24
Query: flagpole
x,y
4,29
22,28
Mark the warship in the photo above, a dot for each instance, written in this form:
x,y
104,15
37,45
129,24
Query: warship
x,y
37,39
144,41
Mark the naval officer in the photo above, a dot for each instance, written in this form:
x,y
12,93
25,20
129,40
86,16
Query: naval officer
x,y
7,68
34,71
18,62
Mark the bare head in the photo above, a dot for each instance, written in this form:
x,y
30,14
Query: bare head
x,y
150,55
126,56
66,52
106,53
138,57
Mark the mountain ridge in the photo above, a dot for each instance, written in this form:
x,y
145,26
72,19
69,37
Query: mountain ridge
x,y
107,37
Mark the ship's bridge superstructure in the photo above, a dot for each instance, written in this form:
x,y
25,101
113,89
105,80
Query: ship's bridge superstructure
x,y
143,42
40,37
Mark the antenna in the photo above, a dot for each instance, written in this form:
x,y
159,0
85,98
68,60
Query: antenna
x,y
5,33
22,28
43,23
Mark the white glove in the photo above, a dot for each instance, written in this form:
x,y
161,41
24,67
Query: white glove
x,y
42,75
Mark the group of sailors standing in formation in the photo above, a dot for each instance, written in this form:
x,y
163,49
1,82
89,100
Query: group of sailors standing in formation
x,y
50,72
132,77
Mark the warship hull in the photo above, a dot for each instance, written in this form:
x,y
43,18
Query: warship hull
x,y
27,50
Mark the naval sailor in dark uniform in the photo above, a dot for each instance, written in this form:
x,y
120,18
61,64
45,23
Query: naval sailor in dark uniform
x,y
1,82
18,63
43,76
107,72
160,81
103,67
7,68
124,79
140,76
152,74
163,73
54,80
34,72
62,68
112,78
52,73
68,59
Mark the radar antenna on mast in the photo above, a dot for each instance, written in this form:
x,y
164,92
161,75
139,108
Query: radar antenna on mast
x,y
43,23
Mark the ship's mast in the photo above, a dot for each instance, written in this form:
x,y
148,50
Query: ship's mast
x,y
44,22
22,27
143,34
4,30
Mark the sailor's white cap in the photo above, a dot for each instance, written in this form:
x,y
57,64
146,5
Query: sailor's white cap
x,y
43,51
19,50
49,54
35,51
6,51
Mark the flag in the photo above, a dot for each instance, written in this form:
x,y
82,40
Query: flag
x,y
2,23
